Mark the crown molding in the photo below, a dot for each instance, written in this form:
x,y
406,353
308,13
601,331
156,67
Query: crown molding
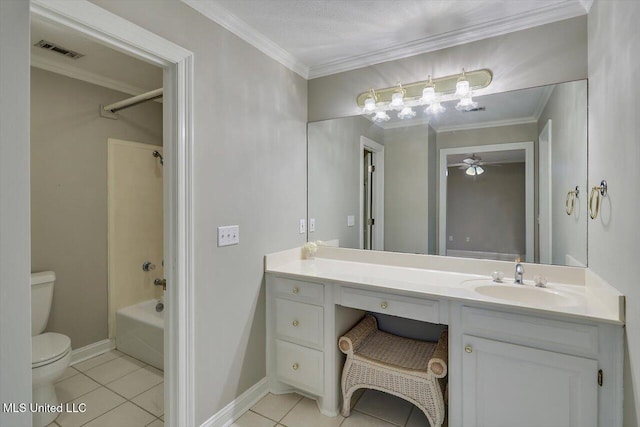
x,y
491,124
542,102
85,76
472,33
247,33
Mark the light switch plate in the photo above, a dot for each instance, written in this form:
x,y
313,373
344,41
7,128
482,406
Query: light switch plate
x,y
351,221
303,226
228,235
312,225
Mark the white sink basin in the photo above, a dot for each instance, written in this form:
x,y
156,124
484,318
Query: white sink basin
x,y
524,294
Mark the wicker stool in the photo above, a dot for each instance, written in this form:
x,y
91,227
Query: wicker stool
x,y
410,369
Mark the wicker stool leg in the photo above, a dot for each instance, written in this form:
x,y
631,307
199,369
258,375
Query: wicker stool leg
x,y
346,405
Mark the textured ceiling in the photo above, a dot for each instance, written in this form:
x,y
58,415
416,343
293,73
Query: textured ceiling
x,y
319,33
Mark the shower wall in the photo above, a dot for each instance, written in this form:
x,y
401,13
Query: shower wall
x,y
69,194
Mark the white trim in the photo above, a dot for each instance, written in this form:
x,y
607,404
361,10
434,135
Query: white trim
x,y
471,33
122,35
227,415
86,76
92,350
545,251
491,124
497,256
237,26
378,202
542,102
529,190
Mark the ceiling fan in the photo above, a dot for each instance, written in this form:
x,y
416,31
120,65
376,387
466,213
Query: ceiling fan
x,y
473,165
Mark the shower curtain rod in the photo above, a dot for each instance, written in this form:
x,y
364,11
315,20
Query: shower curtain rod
x,y
130,102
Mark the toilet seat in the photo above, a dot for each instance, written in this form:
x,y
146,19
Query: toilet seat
x,y
48,347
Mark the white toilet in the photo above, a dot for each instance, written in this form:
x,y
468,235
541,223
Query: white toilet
x,y
50,352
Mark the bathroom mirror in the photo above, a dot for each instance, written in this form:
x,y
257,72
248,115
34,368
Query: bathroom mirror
x,y
506,180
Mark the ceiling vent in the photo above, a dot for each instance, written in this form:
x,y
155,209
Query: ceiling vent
x,y
474,109
58,49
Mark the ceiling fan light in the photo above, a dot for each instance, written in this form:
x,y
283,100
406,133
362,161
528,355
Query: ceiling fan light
x,y
479,170
406,113
470,171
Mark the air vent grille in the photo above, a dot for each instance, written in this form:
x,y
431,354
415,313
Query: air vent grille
x,y
475,109
58,49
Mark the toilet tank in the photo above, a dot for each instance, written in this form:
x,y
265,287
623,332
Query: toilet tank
x,y
41,297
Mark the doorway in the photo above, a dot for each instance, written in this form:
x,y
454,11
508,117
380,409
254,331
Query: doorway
x,y
177,63
371,194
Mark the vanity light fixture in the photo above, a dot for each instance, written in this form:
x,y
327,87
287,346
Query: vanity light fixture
x,y
432,92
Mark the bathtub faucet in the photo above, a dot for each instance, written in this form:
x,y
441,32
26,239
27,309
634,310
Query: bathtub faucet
x,y
161,282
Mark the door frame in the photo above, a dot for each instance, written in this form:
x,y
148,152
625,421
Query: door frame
x,y
529,190
545,144
378,192
177,63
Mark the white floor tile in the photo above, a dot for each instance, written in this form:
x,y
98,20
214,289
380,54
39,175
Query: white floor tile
x,y
384,406
136,382
358,419
306,414
73,387
125,415
251,419
152,400
68,373
276,406
156,423
114,369
98,401
98,360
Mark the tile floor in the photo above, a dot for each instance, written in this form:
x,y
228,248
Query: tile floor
x,y
370,409
119,391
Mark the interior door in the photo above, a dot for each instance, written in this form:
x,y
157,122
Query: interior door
x,y
544,194
506,385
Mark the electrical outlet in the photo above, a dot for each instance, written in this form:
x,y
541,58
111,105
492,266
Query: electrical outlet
x,y
351,221
228,235
303,226
451,238
312,225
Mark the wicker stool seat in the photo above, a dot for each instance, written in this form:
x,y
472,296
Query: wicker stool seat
x,y
410,369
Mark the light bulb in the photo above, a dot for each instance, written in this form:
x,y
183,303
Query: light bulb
x,y
381,116
397,101
406,113
369,105
435,108
428,95
466,104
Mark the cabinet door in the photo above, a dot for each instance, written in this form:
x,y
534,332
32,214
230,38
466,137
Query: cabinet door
x,y
506,385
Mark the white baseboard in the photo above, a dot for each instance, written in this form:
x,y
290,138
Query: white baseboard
x,y
227,415
88,351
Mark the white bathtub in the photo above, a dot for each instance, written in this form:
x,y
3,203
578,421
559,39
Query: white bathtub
x,y
140,332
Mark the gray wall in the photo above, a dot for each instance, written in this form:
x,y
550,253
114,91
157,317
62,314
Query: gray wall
x,y
69,194
407,188
334,182
15,326
614,153
538,56
488,209
567,109
249,169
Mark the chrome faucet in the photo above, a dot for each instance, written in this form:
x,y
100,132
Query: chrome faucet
x,y
519,274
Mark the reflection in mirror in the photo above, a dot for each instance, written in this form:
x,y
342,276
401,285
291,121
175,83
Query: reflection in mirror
x,y
498,182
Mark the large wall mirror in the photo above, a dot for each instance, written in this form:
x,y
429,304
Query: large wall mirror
x,y
506,181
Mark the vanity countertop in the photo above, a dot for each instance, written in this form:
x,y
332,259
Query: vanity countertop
x,y
591,300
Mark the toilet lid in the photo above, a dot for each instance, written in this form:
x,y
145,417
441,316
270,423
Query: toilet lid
x,y
48,347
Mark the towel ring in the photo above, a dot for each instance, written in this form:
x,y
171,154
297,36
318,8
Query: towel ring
x,y
570,203
594,199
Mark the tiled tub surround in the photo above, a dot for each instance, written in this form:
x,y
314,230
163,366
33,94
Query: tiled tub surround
x,y
324,296
117,389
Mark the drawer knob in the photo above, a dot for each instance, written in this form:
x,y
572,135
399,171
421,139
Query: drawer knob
x,y
295,323
384,305
296,290
295,366
468,349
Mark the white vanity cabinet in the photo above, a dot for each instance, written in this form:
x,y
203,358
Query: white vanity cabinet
x,y
514,370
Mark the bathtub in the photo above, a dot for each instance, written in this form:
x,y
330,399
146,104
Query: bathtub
x,y
140,332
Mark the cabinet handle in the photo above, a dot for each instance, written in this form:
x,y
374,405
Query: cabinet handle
x,y
468,349
296,290
384,305
295,323
295,366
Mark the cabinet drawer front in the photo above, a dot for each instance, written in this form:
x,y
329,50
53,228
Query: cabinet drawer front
x,y
532,331
300,366
299,291
378,302
300,323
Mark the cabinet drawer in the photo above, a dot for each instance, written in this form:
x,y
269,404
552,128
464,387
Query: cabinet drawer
x,y
378,302
300,323
549,334
300,366
299,291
